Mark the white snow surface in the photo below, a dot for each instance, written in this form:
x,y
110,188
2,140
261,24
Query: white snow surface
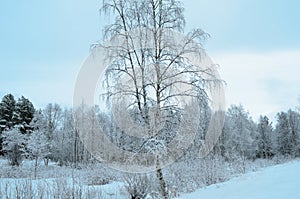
x,y
275,182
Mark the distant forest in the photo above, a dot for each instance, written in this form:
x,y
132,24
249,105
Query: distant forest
x,y
51,133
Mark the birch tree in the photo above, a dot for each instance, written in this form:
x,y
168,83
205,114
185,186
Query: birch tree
x,y
52,115
38,147
151,73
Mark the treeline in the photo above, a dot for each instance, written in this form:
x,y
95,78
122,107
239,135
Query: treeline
x,y
52,133
48,133
243,137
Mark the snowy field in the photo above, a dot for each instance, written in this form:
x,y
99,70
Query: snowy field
x,y
56,182
275,182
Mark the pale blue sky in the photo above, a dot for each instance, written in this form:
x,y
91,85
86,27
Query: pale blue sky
x,y
44,42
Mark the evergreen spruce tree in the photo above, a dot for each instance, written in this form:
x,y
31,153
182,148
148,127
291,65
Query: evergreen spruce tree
x,y
7,110
265,130
24,113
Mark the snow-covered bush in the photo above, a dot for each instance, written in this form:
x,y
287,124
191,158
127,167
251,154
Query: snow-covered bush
x,y
213,169
58,189
187,176
96,180
14,145
140,186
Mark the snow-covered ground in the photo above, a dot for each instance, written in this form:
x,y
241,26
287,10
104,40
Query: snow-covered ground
x,y
275,182
56,182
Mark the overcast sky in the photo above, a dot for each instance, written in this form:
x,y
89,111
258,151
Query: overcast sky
x,y
256,43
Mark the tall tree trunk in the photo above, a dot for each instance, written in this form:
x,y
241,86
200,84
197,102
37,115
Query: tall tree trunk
x,y
46,161
75,150
35,166
162,183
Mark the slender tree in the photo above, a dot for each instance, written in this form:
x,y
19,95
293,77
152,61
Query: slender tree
x,y
52,115
38,147
147,83
265,133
